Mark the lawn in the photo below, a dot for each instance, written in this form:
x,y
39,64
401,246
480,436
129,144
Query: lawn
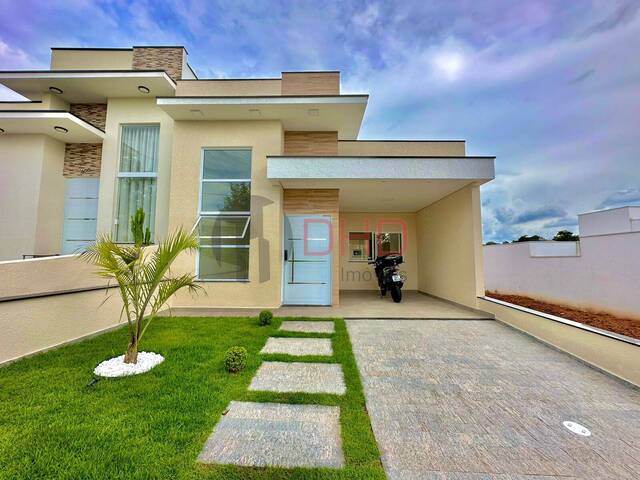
x,y
56,423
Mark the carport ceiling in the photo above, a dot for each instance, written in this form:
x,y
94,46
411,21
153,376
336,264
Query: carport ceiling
x,y
384,195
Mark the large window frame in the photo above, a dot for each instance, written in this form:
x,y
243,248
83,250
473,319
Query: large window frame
x,y
120,175
373,239
225,240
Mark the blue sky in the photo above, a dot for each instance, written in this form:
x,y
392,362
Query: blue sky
x,y
552,88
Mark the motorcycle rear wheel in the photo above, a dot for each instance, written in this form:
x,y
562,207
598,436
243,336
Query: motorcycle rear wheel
x,y
396,293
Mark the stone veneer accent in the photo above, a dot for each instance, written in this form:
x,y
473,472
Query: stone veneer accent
x,y
93,113
311,143
168,59
82,160
310,83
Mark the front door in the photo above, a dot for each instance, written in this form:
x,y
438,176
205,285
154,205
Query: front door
x,y
80,213
307,260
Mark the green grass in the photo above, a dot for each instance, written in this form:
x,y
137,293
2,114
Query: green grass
x,y
55,425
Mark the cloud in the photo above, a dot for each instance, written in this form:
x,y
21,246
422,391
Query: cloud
x,y
14,57
504,215
534,83
622,198
623,15
540,213
562,223
582,77
366,18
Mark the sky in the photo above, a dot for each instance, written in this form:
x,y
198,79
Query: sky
x,y
550,87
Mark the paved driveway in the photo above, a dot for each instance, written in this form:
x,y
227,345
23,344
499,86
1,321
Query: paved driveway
x,y
473,399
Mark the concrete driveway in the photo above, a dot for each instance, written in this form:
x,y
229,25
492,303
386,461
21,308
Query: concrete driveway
x,y
474,399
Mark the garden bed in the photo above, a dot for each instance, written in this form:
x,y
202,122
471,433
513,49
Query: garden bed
x,y
624,326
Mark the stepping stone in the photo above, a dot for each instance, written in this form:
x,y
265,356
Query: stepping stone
x,y
310,326
299,377
276,434
299,346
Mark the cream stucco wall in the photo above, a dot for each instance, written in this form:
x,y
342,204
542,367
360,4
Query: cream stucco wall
x,y
265,268
46,101
20,170
449,235
31,195
121,111
51,201
32,325
87,59
228,87
47,275
449,148
616,357
358,275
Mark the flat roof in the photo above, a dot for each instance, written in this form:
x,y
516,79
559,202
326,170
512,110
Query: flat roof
x,y
88,86
58,124
382,184
341,113
391,167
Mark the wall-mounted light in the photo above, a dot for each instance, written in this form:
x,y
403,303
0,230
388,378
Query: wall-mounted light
x,y
60,129
1,130
255,112
196,113
313,112
55,90
143,89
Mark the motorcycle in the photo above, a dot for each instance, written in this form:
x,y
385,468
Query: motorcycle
x,y
388,274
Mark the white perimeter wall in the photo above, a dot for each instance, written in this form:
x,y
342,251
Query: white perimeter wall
x,y
605,275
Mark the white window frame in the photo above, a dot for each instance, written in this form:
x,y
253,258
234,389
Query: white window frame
x,y
374,240
204,214
373,246
120,174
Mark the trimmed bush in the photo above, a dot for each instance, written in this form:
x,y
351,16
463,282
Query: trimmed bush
x,y
265,317
235,359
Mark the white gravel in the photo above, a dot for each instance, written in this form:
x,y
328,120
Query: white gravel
x,y
115,367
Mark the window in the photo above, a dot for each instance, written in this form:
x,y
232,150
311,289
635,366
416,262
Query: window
x,y
137,177
388,244
360,246
225,212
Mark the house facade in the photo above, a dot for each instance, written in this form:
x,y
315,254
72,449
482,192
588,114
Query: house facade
x,y
288,203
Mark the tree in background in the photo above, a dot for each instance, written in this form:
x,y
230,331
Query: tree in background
x,y
529,238
566,236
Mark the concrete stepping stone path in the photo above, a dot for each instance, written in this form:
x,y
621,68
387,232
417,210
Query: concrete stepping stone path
x,y
276,434
299,377
299,346
308,326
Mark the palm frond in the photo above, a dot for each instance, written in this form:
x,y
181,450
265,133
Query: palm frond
x,y
141,273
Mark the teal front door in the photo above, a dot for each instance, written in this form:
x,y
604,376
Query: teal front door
x,y
307,260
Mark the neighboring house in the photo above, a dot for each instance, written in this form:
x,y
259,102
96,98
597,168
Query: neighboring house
x,y
288,203
601,271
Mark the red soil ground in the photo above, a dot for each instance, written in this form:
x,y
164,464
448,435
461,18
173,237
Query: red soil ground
x,y
624,326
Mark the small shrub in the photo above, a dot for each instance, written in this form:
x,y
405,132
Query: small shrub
x,y
235,359
265,317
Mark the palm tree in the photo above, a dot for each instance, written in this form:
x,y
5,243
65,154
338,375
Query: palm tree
x,y
143,276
